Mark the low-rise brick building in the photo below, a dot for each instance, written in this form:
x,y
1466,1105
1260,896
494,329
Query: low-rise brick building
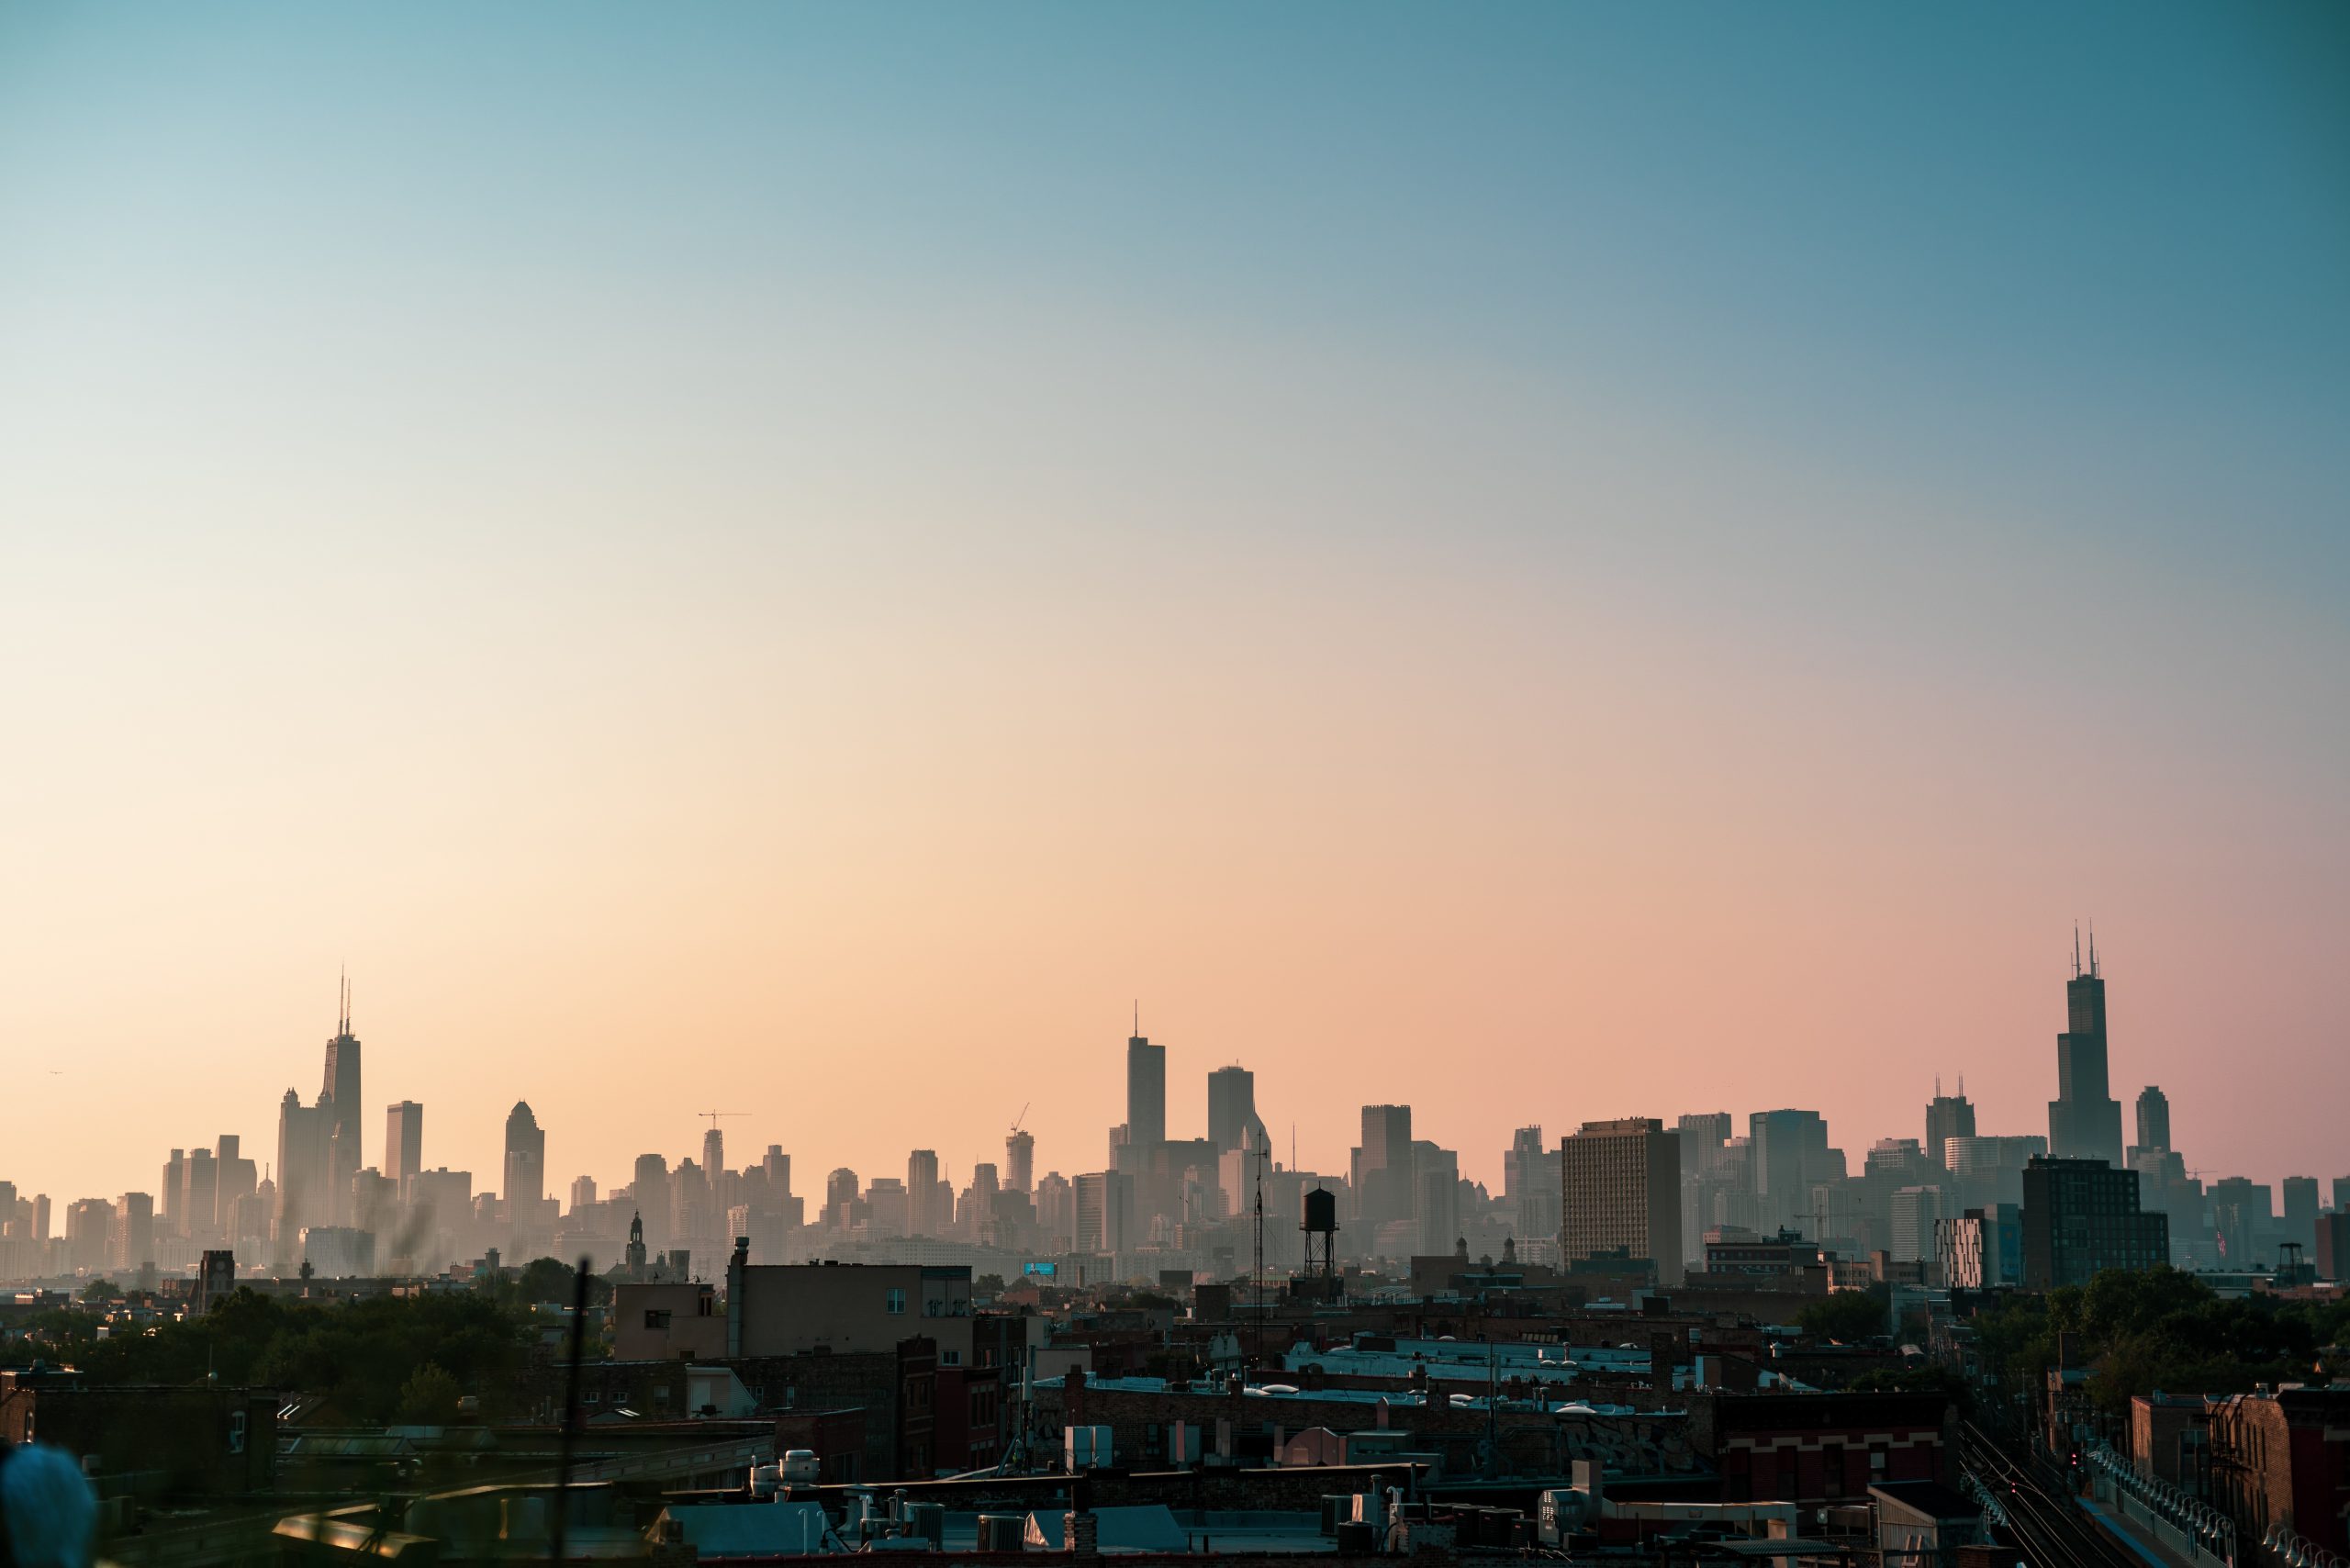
x,y
2283,1460
1822,1448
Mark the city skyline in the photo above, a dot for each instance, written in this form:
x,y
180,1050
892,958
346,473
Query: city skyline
x,y
1219,780
1165,1080
788,559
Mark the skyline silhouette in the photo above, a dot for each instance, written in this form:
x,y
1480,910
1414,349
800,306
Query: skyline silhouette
x,y
1571,560
1072,1148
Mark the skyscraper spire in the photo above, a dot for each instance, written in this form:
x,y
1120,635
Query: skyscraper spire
x,y
2092,947
2076,950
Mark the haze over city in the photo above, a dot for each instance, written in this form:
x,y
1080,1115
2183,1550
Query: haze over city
x,y
783,562
1339,782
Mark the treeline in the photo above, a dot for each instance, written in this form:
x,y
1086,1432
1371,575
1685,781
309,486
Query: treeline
x,y
378,1359
2139,1331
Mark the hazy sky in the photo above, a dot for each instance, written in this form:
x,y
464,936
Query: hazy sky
x,y
1551,562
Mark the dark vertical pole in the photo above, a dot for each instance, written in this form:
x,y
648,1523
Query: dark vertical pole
x,y
570,1414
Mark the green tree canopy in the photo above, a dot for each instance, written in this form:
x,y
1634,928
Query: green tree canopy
x,y
361,1354
2141,1330
428,1398
1845,1316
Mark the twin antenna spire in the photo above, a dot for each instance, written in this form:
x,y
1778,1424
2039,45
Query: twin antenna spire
x,y
2076,950
343,1021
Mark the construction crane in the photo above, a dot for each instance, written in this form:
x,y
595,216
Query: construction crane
x,y
713,1117
1018,1119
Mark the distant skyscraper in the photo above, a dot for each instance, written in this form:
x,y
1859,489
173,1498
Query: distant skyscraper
x,y
1947,1117
1916,1211
1019,1161
526,1163
89,1233
583,1193
199,1195
840,1189
1702,1137
649,1193
343,1088
693,1215
921,1194
1619,1189
713,1151
1790,1155
1530,1187
305,1193
777,1165
403,1143
2241,1217
2082,1215
977,1219
1383,1186
175,1179
132,1232
1105,1216
235,1175
886,1212
2297,1196
1146,1093
1436,1195
1232,1106
2153,1119
2084,1120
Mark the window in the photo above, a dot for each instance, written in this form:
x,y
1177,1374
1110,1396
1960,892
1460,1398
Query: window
x,y
950,1358
655,1317
897,1301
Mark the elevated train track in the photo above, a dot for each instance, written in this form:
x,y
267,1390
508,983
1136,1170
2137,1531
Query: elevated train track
x,y
2047,1526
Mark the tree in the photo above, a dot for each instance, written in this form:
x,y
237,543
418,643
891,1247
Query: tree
x,y
1844,1316
549,1280
100,1290
2150,1328
1916,1380
430,1397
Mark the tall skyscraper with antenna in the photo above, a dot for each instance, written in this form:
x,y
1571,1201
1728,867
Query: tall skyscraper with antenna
x,y
1947,1117
2084,1120
1145,1091
343,1089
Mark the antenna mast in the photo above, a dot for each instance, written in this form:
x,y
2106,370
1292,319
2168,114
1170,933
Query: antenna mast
x,y
1257,1274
